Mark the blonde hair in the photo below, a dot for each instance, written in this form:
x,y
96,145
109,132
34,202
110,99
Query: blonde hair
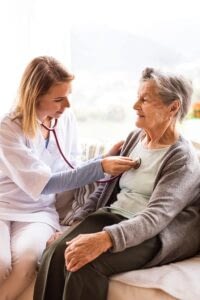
x,y
40,75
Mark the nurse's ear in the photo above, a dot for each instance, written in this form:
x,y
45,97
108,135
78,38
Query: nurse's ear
x,y
37,100
37,106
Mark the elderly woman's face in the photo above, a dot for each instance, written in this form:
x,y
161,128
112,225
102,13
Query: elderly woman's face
x,y
152,113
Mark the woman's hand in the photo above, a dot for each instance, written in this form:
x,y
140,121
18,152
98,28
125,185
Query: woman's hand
x,y
85,248
53,238
115,149
116,165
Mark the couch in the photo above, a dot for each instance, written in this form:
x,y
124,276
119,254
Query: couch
x,y
178,280
174,281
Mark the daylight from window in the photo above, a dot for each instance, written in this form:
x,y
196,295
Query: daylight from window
x,y
106,44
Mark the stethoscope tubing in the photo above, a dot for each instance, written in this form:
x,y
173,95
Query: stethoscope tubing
x,y
52,129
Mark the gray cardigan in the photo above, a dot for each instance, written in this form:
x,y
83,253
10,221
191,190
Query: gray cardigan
x,y
173,211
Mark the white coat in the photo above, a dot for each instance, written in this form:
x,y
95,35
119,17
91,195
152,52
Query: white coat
x,y
26,166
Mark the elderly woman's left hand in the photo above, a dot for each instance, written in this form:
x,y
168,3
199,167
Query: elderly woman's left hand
x,y
115,149
85,248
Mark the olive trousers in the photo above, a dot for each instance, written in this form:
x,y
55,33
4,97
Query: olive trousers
x,y
54,282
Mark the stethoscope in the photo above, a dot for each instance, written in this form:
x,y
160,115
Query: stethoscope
x,y
52,129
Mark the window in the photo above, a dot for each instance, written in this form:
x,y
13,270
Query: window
x,y
106,44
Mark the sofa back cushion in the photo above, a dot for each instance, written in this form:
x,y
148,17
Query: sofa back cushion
x,y
68,203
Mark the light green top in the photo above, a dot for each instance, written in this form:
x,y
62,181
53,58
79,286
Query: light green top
x,y
137,185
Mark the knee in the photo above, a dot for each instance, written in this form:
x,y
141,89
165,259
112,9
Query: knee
x,y
5,268
25,267
57,252
88,279
82,274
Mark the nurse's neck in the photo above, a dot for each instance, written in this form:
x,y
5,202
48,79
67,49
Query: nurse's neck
x,y
44,131
45,120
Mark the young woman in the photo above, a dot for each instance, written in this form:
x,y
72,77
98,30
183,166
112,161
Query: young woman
x,y
32,170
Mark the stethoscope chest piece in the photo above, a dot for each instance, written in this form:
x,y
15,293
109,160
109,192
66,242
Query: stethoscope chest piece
x,y
138,162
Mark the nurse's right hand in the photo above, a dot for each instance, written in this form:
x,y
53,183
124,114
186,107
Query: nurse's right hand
x,y
53,238
115,165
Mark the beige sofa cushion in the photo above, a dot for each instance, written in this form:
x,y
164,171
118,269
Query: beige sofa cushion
x,y
180,280
123,291
76,199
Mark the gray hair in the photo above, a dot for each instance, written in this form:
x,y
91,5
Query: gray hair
x,y
171,87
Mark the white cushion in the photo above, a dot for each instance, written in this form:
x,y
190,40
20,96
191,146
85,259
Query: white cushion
x,y
180,279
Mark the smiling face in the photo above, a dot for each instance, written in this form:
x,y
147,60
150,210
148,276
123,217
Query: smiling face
x,y
54,102
152,113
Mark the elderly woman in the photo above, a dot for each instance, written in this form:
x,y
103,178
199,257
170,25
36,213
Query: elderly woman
x,y
147,217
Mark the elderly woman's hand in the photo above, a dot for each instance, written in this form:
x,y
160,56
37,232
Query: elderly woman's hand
x,y
115,149
85,248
